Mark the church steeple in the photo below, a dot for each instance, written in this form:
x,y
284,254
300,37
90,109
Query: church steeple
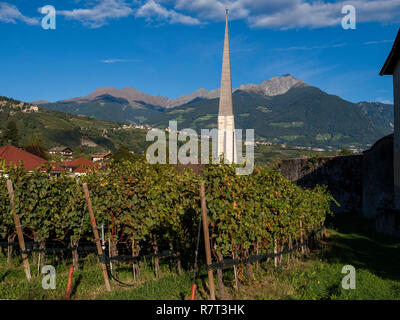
x,y
226,122
225,102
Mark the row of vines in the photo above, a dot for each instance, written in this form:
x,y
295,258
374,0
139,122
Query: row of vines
x,y
149,206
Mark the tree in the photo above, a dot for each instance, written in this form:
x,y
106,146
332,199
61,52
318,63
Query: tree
x,y
345,152
36,146
10,136
123,154
82,152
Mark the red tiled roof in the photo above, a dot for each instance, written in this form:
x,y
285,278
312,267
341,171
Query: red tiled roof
x,y
80,170
79,165
79,162
101,155
57,168
13,155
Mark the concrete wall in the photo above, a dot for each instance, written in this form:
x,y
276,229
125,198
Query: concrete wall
x,y
378,189
342,175
360,183
388,222
396,155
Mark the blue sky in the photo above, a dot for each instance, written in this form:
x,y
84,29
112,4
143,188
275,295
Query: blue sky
x,y
174,47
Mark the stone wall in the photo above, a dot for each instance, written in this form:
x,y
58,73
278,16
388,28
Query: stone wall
x,y
396,101
342,175
378,183
361,183
388,222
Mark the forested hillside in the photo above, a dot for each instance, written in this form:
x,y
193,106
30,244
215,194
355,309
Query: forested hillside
x,y
58,128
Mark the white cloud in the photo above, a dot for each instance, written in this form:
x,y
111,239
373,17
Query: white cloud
x,y
305,48
239,9
100,14
203,9
323,14
9,13
384,100
378,42
120,60
285,14
302,15
152,10
275,14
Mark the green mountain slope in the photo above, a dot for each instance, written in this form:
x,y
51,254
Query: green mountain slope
x,y
302,116
108,108
381,114
58,128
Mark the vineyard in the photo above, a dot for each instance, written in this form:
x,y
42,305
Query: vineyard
x,y
147,209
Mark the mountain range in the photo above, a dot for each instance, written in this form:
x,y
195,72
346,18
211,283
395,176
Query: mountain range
x,y
281,110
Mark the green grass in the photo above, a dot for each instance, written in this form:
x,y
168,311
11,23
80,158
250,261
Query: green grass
x,y
351,241
263,109
287,124
169,286
181,111
323,137
268,155
290,138
204,118
141,119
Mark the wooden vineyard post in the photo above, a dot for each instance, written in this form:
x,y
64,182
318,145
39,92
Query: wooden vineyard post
x,y
302,238
235,272
207,239
156,259
220,278
18,228
96,236
257,252
69,283
10,240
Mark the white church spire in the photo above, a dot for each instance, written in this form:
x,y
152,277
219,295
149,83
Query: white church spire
x,y
226,123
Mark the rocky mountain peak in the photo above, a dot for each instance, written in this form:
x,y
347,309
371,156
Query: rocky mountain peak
x,y
131,94
274,86
279,85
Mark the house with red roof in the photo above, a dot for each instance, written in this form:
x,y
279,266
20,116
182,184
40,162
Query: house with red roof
x,y
64,151
15,156
78,166
100,157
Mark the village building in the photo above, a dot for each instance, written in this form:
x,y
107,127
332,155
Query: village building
x,y
79,166
63,151
31,109
13,156
101,157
